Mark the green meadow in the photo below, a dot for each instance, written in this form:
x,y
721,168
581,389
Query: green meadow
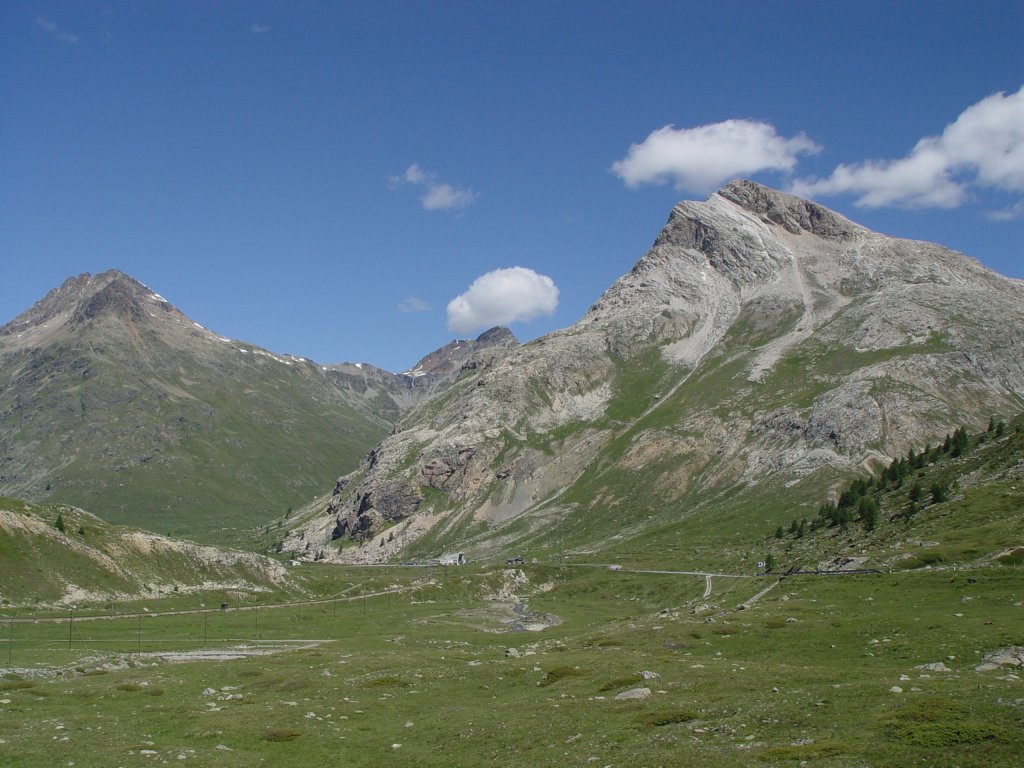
x,y
450,667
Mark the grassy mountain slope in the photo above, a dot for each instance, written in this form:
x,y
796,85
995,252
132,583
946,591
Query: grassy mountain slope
x,y
112,400
948,511
58,554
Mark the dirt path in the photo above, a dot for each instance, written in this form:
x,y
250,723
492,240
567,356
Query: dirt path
x,y
748,603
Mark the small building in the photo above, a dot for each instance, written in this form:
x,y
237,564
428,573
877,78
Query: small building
x,y
454,559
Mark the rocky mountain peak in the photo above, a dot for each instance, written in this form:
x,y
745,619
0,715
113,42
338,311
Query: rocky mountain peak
x,y
792,213
453,355
85,297
121,296
499,336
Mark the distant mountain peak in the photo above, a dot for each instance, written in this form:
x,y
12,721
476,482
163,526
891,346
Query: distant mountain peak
x,y
499,335
122,296
453,355
85,297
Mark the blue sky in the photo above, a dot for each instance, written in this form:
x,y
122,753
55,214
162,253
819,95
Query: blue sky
x,y
324,179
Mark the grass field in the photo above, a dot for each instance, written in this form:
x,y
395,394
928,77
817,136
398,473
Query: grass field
x,y
424,675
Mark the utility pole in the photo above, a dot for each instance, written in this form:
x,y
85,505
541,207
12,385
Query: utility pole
x,y
10,641
140,633
71,627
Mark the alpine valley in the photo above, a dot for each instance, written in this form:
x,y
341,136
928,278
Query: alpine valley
x,y
762,505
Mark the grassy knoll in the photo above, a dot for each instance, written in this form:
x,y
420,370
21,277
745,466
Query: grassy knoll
x,y
426,677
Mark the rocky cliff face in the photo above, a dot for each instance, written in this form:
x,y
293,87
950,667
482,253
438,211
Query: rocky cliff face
x,y
762,336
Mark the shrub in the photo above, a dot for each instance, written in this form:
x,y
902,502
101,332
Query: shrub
x,y
388,680
16,685
281,734
815,751
939,722
662,717
1016,557
556,674
621,682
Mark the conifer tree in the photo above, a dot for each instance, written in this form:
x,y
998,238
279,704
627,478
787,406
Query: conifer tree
x,y
869,512
961,441
916,492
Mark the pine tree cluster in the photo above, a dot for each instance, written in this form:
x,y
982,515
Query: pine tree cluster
x,y
860,500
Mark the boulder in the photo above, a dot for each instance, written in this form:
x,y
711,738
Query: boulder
x,y
634,693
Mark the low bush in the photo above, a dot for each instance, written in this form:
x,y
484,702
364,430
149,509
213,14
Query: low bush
x,y
281,734
662,717
556,674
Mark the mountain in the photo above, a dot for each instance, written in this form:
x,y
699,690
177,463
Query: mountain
x,y
395,393
763,350
113,400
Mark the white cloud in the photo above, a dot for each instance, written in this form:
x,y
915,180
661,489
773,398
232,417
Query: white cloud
x,y
414,304
983,147
415,175
502,297
444,197
58,34
1008,214
437,195
701,159
258,29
